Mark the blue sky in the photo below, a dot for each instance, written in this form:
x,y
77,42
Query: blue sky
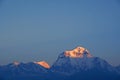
x,y
34,30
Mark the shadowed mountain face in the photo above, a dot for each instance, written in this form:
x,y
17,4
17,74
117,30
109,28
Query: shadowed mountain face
x,y
76,64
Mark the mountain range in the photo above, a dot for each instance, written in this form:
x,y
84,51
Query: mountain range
x,y
76,64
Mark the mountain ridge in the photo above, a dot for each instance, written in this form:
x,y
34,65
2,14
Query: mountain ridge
x,y
70,65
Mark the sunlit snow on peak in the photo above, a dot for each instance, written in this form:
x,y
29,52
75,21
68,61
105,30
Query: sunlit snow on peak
x,y
43,63
78,52
16,63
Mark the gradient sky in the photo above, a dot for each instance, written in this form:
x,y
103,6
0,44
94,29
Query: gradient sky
x,y
35,30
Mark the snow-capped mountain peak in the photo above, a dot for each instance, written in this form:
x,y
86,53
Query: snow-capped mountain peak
x,y
16,63
78,52
79,59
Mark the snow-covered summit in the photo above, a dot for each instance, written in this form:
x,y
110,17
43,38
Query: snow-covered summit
x,y
78,52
